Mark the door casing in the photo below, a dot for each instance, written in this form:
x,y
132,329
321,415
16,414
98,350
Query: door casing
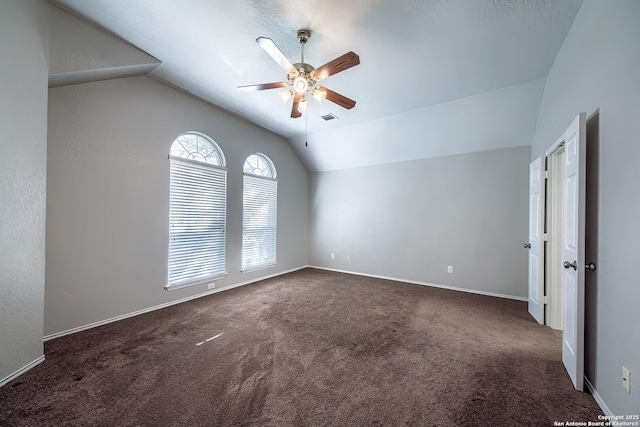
x,y
564,226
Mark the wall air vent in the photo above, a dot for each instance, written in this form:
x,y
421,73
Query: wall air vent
x,y
329,116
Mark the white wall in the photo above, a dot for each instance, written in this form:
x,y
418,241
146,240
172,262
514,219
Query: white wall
x,y
410,220
23,139
598,67
108,193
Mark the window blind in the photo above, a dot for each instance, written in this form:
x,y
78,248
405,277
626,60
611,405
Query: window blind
x,y
259,222
197,235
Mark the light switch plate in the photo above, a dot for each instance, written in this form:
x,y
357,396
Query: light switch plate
x,y
626,379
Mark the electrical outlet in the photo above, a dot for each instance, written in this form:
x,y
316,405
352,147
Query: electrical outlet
x,y
333,255
450,269
626,379
211,285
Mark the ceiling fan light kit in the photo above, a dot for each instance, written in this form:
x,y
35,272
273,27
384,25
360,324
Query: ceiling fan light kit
x,y
319,95
285,96
302,78
302,106
300,84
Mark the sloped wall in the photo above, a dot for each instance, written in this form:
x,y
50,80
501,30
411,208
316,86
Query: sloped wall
x,y
82,53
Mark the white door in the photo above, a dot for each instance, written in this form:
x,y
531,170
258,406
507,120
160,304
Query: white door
x,y
573,250
536,241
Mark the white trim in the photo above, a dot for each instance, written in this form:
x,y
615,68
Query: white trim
x,y
597,397
247,282
167,304
208,280
555,147
199,163
22,370
554,214
259,267
434,285
268,178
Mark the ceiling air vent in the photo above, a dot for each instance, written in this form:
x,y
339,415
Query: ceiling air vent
x,y
329,116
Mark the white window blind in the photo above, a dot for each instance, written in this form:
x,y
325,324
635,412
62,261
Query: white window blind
x,y
197,235
260,195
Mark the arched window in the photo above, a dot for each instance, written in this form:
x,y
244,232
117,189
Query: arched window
x,y
259,219
198,211
197,147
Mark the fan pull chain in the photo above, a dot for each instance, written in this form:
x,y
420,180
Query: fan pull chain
x,y
306,130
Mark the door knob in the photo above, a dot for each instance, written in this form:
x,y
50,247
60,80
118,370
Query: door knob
x,y
527,245
591,266
573,264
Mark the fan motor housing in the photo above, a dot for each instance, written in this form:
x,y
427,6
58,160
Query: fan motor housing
x,y
303,36
306,67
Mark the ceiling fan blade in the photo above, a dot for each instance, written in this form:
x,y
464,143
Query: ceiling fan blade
x,y
341,63
294,110
263,86
335,97
276,54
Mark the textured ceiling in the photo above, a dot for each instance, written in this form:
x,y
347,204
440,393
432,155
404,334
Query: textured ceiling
x,y
423,63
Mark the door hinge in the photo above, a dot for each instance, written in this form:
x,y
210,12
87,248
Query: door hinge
x,y
546,237
546,300
546,174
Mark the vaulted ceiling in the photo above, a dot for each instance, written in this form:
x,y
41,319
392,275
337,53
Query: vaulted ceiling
x,y
436,77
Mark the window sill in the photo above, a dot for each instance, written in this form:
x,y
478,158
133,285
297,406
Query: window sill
x,y
259,267
195,282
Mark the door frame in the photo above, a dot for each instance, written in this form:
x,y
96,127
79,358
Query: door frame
x,y
574,250
571,220
554,211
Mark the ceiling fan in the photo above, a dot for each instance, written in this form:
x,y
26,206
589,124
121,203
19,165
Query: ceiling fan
x,y
302,78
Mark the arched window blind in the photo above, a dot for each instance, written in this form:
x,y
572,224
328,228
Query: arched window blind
x,y
198,211
259,222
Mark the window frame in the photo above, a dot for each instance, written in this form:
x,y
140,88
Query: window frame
x,y
216,182
268,231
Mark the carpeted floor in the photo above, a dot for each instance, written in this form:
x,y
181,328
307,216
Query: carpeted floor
x,y
310,348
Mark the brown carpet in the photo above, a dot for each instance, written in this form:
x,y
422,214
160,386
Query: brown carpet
x,y
310,348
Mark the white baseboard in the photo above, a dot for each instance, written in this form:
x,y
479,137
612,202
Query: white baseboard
x,y
415,282
213,291
167,304
598,398
22,370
